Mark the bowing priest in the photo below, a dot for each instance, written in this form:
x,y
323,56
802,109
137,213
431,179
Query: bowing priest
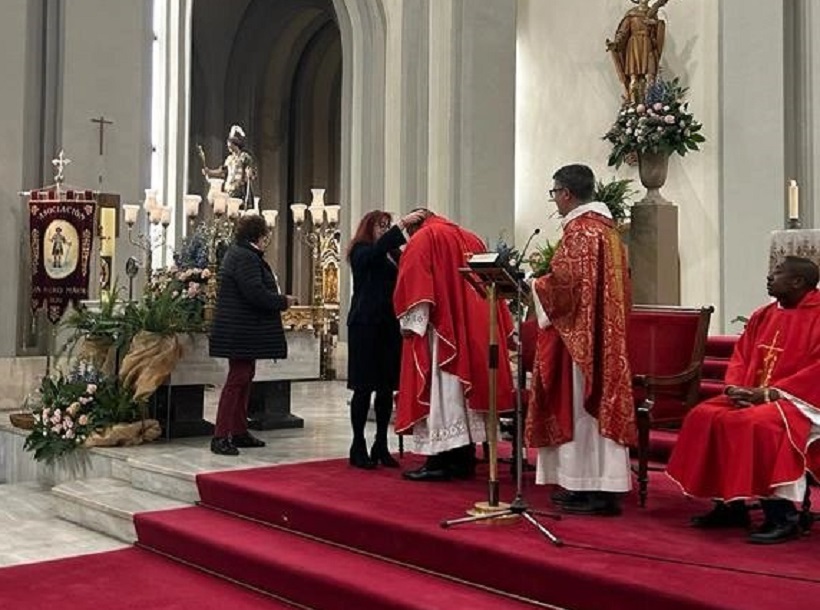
x,y
757,440
581,415
444,382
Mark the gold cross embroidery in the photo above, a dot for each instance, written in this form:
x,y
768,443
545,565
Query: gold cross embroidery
x,y
769,360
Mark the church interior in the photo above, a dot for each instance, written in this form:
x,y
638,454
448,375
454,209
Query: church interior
x,y
140,134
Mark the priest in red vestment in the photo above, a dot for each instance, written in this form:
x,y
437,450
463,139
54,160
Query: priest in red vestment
x,y
444,382
581,414
757,440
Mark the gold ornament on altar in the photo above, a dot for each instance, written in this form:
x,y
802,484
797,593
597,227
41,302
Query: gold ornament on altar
x,y
637,48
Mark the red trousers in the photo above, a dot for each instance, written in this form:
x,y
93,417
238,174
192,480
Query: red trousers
x,y
232,414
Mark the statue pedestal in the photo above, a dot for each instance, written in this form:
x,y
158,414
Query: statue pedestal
x,y
653,254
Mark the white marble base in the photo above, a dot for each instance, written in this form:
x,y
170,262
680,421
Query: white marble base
x,y
18,378
107,505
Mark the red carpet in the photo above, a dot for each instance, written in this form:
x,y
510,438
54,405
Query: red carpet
x,y
130,579
647,557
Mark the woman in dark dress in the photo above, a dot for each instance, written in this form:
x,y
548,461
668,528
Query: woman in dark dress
x,y
247,327
374,338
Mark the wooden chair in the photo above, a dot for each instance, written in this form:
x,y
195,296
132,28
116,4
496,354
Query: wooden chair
x,y
666,346
807,517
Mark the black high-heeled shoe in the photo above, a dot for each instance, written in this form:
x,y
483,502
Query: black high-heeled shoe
x,y
380,454
359,457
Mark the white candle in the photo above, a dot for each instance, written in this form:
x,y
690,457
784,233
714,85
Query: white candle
x,y
794,205
234,203
298,210
130,212
256,201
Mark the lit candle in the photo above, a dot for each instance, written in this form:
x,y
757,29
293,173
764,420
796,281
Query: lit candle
x,y
794,205
130,212
270,217
298,210
190,204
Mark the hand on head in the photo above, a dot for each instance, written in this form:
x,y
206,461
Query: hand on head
x,y
414,220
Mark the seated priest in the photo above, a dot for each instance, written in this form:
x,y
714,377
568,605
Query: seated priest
x,y
757,440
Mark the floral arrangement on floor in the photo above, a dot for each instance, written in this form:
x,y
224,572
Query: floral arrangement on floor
x,y
182,290
662,123
70,409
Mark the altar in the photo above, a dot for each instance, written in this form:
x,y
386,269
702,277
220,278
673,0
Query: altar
x,y
179,403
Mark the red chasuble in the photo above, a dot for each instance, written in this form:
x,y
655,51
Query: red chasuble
x,y
586,296
428,273
726,452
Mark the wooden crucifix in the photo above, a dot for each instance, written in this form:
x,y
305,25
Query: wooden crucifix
x,y
102,122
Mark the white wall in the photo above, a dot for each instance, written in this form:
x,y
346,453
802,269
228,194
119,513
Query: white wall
x,y
567,95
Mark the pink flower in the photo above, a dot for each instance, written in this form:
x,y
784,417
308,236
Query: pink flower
x,y
641,108
83,421
206,273
68,423
669,119
91,388
69,434
193,288
657,106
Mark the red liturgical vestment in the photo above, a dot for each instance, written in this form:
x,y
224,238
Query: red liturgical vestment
x,y
586,297
726,452
459,316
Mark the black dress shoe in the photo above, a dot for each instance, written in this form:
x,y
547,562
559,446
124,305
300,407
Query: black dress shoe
x,y
775,533
427,474
247,440
566,496
380,454
223,446
723,515
598,503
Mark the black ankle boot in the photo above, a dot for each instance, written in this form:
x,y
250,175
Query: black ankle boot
x,y
359,457
223,446
380,454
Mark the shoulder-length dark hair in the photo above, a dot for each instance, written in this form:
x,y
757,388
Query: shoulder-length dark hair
x,y
364,233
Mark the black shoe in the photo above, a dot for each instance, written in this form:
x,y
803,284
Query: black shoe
x,y
380,454
359,457
566,496
775,533
434,469
599,503
223,446
247,440
461,462
723,515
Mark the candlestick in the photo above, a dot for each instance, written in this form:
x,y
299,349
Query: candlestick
x,y
165,216
794,206
270,217
190,204
298,210
130,212
220,203
234,203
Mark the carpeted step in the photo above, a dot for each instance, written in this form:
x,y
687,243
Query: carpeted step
x,y
303,570
127,579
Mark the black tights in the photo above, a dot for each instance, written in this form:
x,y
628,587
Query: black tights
x,y
360,406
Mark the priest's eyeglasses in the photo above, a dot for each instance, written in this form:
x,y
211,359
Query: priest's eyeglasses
x,y
554,192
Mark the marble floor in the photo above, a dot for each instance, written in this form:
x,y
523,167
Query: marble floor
x,y
30,529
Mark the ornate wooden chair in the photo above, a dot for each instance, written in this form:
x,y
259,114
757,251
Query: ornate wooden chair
x,y
666,348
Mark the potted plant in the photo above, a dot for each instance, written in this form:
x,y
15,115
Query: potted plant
x,y
617,195
97,329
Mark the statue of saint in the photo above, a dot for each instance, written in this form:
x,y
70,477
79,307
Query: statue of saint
x,y
238,170
637,47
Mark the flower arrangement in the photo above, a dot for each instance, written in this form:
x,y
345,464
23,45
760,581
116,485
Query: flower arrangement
x,y
541,258
616,194
661,123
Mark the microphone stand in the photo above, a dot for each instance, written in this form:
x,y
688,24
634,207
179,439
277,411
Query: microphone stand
x,y
518,507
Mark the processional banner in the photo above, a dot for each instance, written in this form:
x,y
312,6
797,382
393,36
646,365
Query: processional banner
x,y
61,234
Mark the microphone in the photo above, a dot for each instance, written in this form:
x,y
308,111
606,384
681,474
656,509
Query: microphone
x,y
526,245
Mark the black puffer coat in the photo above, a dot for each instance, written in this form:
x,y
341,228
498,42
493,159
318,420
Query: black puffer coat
x,y
248,320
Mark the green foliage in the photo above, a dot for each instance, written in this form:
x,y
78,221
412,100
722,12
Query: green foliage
x,y
104,323
616,194
661,123
68,409
541,258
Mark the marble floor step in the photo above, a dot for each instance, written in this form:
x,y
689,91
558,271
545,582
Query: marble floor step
x,y
107,505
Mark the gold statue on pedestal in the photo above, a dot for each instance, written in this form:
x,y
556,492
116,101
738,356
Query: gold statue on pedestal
x,y
637,47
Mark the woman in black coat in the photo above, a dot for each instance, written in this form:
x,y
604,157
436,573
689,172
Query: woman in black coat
x,y
374,338
247,327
